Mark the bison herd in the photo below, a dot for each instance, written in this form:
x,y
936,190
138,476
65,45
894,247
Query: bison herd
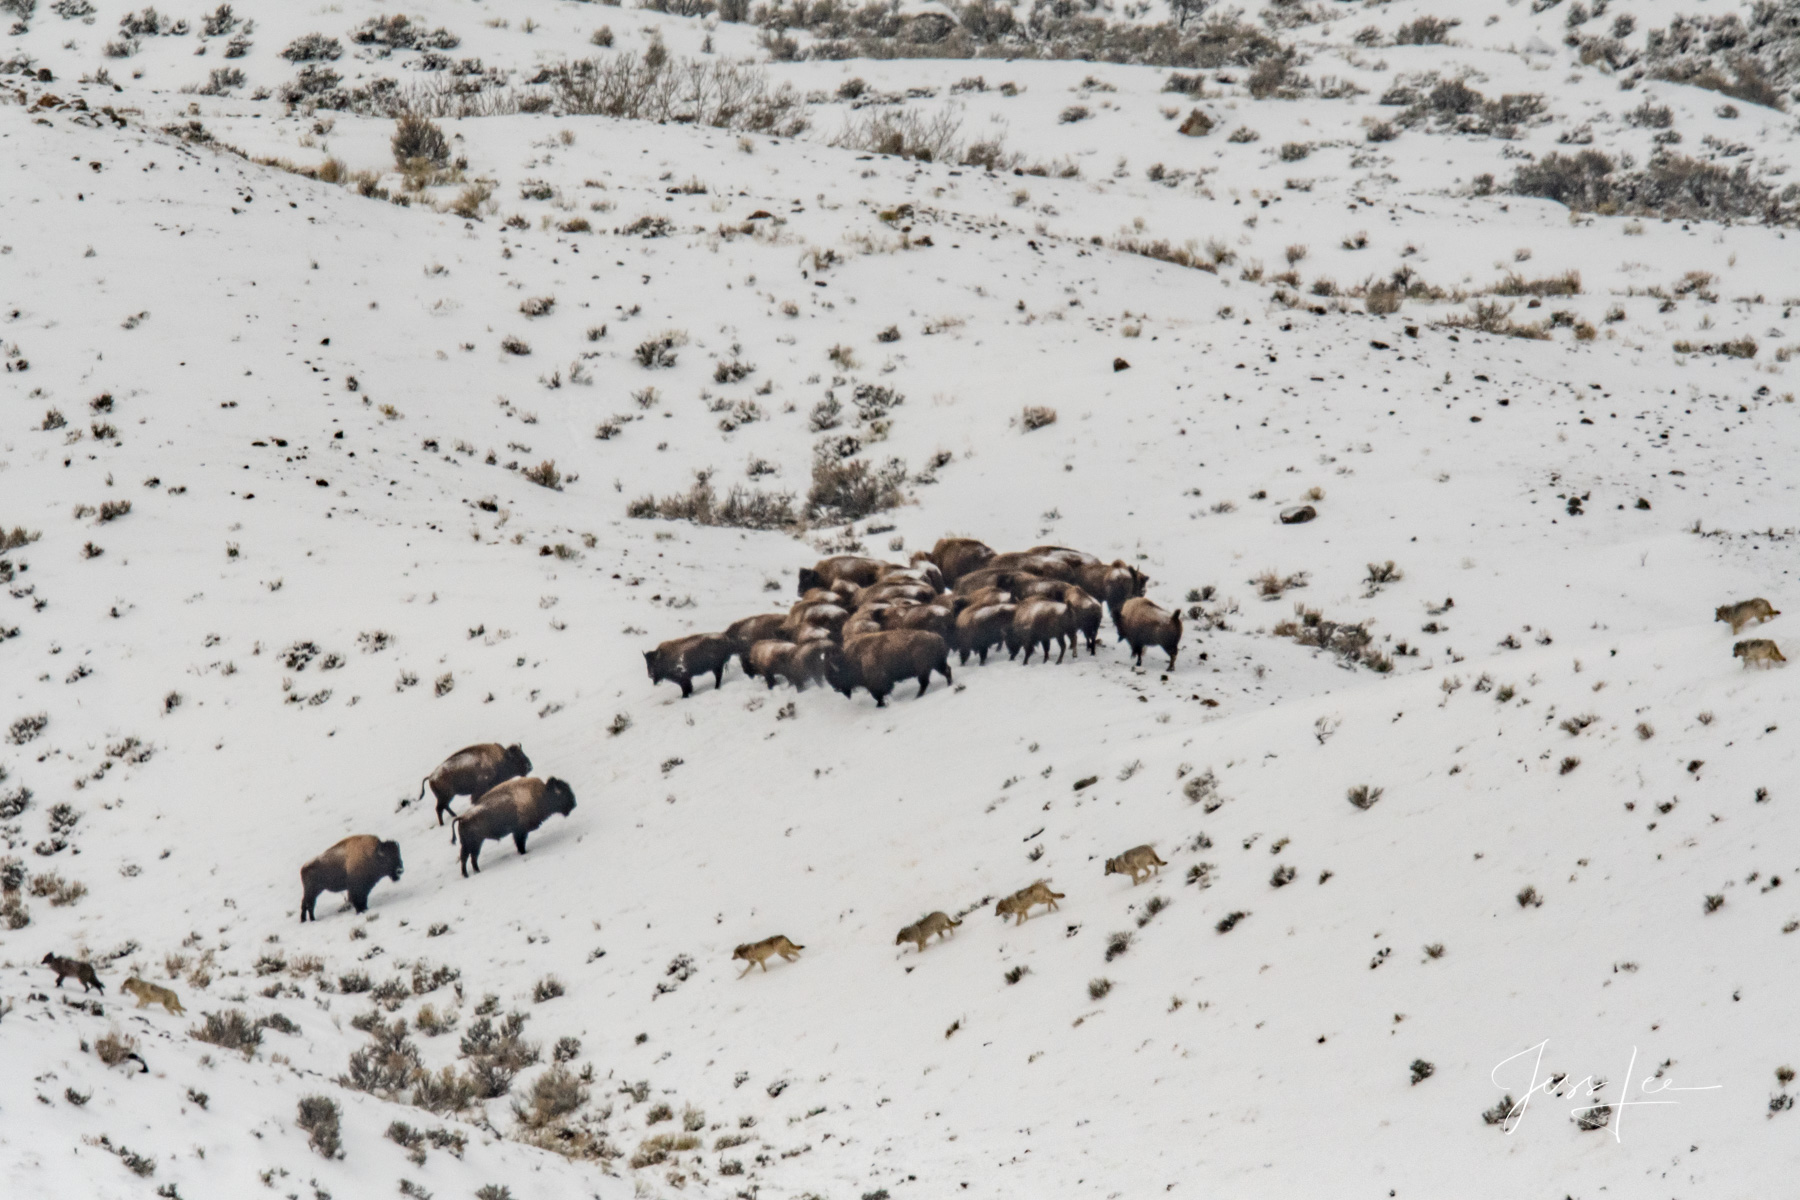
x,y
866,623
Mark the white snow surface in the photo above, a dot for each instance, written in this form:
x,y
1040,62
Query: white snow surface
x,y
322,440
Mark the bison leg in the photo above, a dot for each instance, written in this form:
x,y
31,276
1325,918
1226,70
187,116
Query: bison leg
x,y
307,901
444,801
1062,649
687,686
718,677
1172,651
881,696
359,899
924,680
519,841
944,668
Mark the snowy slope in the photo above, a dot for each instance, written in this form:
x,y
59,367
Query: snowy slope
x,y
307,387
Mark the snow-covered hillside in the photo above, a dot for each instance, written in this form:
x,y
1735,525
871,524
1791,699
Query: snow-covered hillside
x,y
315,468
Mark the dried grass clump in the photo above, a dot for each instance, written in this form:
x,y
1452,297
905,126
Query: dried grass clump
x,y
230,1030
845,490
1036,416
419,141
1566,284
742,507
113,1047
1352,644
545,475
1490,316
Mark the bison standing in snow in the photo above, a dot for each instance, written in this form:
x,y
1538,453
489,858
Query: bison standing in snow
x,y
683,658
354,865
1142,624
877,661
514,809
472,771
956,557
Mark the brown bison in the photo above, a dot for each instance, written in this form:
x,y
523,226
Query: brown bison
x,y
981,598
924,572
746,633
956,557
898,589
762,659
1036,564
472,771
1112,584
1038,622
1005,578
803,664
354,865
1075,558
513,809
933,618
827,571
865,620
877,661
819,615
1142,624
1085,613
979,630
683,658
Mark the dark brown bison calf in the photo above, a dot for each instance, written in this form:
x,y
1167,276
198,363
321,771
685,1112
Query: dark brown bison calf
x,y
746,633
1038,622
472,771
803,664
877,661
683,658
979,630
764,657
1142,624
513,809
354,865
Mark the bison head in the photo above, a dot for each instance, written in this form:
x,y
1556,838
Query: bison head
x,y
810,579
387,858
516,762
653,659
560,795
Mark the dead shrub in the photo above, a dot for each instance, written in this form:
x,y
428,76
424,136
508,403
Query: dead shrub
x,y
418,139
742,507
545,475
230,1030
1425,31
113,1047
848,490
318,1116
553,1095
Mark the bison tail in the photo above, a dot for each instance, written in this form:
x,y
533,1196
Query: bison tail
x,y
454,822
